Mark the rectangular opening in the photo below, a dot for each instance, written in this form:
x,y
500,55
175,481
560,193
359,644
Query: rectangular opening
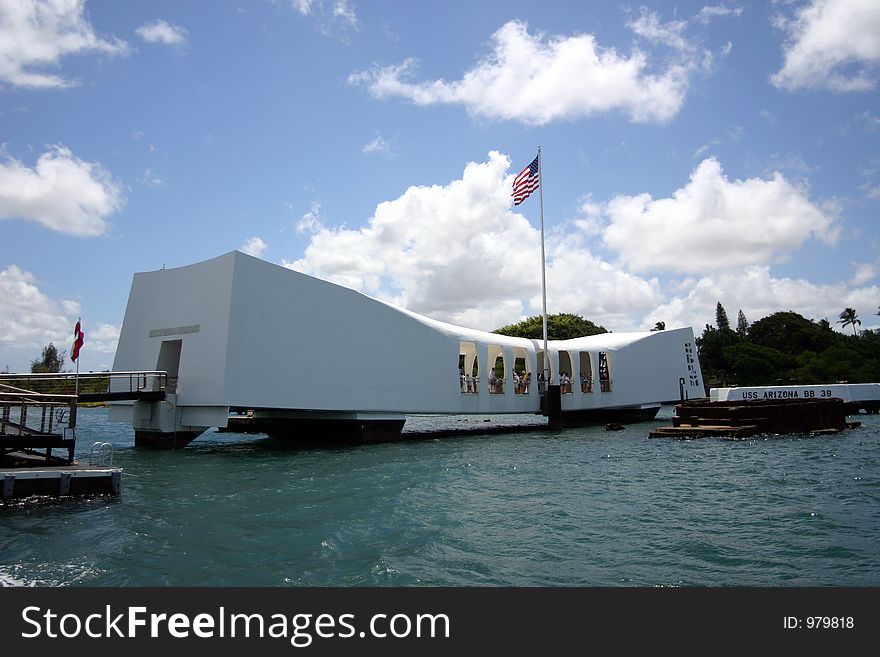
x,y
169,361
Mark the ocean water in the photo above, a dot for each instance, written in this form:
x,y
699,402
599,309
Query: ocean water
x,y
577,507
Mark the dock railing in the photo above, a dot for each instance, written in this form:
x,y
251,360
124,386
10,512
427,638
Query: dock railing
x,y
92,383
38,410
32,420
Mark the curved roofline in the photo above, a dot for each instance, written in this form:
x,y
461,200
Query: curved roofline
x,y
610,341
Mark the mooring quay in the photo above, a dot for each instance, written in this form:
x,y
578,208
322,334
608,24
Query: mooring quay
x,y
749,417
38,433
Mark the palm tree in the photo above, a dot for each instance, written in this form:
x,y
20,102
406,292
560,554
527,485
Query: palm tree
x,y
849,317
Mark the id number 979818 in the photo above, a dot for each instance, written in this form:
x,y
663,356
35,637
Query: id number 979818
x,y
820,623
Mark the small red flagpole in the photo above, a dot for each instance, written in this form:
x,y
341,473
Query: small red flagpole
x,y
75,340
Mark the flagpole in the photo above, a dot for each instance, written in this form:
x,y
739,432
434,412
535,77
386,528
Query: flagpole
x,y
543,272
76,337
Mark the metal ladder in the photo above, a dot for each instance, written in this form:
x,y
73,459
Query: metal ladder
x,y
101,454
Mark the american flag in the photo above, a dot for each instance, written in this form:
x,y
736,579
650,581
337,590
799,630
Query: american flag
x,y
526,182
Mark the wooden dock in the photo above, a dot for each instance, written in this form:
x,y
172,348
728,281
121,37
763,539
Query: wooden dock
x,y
32,426
742,419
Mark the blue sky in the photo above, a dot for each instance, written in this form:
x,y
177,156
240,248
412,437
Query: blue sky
x,y
692,153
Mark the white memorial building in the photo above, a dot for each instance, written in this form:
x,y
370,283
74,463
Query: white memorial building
x,y
311,358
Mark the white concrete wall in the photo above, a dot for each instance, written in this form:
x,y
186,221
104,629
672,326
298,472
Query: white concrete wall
x,y
299,342
845,391
270,337
173,301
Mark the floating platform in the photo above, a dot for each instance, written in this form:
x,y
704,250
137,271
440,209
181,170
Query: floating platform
x,y
32,425
745,418
21,475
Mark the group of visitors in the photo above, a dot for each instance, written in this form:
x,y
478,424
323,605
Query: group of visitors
x,y
522,380
470,383
496,383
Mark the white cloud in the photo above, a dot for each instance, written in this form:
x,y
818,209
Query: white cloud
x,y
757,293
769,117
871,122
61,192
649,26
311,221
160,31
31,319
380,146
304,6
344,11
832,44
152,179
864,272
537,79
580,282
458,253
102,339
437,250
711,11
705,147
329,14
34,35
757,221
254,246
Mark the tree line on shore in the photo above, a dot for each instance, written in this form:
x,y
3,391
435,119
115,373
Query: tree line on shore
x,y
786,348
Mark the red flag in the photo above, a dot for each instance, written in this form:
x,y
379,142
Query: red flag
x,y
526,182
78,338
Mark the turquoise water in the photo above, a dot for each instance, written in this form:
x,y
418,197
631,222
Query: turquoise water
x,y
579,507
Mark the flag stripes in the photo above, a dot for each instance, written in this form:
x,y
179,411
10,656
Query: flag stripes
x,y
526,182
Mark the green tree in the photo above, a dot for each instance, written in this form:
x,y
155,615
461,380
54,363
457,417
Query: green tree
x,y
561,326
659,326
721,320
742,325
789,333
712,347
849,317
752,364
50,361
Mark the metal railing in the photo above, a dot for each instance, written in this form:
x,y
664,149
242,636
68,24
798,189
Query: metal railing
x,y
92,382
18,416
31,421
